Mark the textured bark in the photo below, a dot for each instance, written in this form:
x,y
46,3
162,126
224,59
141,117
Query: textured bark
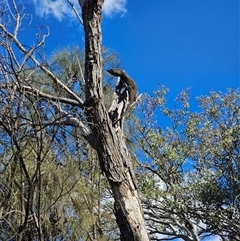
x,y
110,145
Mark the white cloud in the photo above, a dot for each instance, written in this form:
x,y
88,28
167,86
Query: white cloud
x,y
61,8
58,8
114,6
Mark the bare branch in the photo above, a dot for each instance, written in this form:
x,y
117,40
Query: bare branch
x,y
75,122
76,12
46,96
29,55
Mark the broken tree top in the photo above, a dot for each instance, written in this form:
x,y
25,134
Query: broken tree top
x,y
125,82
124,96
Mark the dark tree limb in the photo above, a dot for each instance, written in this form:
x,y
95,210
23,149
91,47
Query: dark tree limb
x,y
123,98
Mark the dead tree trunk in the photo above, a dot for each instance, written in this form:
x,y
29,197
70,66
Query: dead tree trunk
x,y
109,142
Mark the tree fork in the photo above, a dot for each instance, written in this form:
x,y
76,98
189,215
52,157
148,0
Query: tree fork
x,y
110,145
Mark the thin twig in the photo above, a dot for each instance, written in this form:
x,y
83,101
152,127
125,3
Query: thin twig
x,y
76,12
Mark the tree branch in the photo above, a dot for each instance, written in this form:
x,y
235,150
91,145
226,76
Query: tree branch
x,y
124,97
29,54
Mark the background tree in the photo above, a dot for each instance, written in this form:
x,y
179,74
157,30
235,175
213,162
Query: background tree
x,y
51,185
190,178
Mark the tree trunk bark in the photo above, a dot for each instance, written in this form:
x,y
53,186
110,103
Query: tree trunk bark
x,y
110,145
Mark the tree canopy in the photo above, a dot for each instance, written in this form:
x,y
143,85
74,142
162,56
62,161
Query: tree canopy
x,y
190,169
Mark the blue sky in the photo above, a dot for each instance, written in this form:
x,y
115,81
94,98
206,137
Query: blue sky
x,y
179,44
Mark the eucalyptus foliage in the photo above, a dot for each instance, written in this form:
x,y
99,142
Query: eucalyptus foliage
x,y
190,176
